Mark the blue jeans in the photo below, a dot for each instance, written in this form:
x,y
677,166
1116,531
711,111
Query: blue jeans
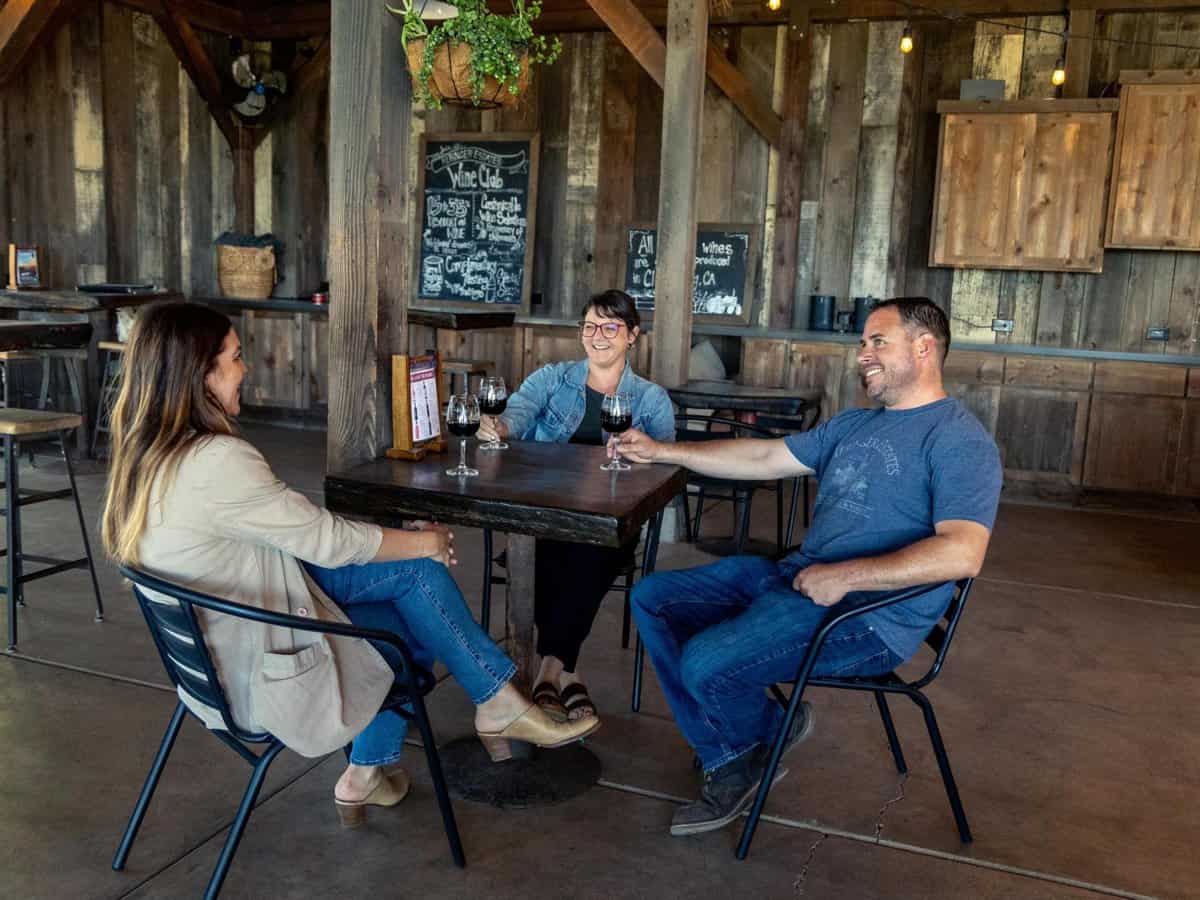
x,y
718,635
418,600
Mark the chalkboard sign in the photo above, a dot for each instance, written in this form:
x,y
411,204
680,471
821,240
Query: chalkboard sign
x,y
726,256
478,197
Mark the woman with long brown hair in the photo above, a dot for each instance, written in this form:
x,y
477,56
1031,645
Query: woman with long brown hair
x,y
192,502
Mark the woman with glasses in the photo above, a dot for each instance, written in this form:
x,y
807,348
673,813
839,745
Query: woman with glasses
x,y
561,403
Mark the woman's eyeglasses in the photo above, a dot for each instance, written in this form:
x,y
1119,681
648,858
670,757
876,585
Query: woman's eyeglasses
x,y
609,329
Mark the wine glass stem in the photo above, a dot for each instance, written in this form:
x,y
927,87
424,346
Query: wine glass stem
x,y
462,453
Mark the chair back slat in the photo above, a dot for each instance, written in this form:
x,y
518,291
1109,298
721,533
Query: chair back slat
x,y
180,641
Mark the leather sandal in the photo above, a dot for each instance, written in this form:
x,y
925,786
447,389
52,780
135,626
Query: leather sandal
x,y
388,791
545,695
575,697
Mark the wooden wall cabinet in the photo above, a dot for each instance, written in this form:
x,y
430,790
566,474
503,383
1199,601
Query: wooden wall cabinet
x,y
1156,167
1022,185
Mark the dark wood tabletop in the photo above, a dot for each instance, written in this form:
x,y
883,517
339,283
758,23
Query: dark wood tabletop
x,y
78,301
539,489
745,398
460,320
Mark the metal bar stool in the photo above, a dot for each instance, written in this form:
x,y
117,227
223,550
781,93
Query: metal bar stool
x,y
109,385
27,425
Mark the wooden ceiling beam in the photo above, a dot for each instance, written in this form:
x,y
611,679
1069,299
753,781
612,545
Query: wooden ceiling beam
x,y
646,45
278,22
577,15
199,66
22,23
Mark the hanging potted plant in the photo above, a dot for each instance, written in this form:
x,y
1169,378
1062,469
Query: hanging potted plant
x,y
472,57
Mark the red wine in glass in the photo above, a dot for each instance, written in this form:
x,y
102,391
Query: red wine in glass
x,y
616,424
492,407
616,416
463,429
493,399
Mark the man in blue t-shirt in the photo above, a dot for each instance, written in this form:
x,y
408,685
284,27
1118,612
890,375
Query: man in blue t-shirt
x,y
908,496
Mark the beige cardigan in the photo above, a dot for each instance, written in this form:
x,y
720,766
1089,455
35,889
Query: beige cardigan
x,y
227,526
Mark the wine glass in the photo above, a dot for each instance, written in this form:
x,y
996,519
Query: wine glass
x,y
462,420
616,416
493,398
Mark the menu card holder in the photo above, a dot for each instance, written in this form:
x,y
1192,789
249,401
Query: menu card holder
x,y
416,407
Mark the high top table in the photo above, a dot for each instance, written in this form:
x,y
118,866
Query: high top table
x,y
530,490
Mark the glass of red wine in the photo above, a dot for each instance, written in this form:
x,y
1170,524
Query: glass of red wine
x,y
616,416
493,398
462,420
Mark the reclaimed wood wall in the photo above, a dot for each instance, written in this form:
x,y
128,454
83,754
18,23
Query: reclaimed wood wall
x,y
110,161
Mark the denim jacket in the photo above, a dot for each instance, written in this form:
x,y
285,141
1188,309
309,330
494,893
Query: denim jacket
x,y
551,403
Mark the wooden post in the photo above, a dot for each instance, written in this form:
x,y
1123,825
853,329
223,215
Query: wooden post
x,y
369,226
1080,28
798,62
243,181
683,100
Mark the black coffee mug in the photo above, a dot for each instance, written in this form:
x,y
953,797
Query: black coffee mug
x,y
820,314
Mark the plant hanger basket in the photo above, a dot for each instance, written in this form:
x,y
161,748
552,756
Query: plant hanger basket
x,y
451,77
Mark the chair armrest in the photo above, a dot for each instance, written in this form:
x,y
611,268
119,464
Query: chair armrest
x,y
255,614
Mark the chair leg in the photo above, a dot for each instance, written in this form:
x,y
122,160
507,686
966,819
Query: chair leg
x,y
687,516
939,750
742,506
764,787
779,544
12,557
791,520
87,547
238,828
805,480
699,513
485,608
639,663
143,801
44,393
439,780
890,728
626,615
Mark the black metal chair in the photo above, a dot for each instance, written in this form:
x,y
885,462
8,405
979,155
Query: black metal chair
x,y
938,640
623,584
740,493
180,641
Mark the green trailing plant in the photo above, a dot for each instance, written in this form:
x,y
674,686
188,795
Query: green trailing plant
x,y
498,44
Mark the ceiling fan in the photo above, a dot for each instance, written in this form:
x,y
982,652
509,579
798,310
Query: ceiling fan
x,y
270,85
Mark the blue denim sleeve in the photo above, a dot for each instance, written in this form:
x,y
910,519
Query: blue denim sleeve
x,y
527,403
658,415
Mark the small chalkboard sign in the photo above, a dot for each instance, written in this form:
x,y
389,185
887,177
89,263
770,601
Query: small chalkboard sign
x,y
726,267
478,198
416,407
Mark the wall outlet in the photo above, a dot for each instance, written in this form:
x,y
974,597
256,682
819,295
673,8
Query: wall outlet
x,y
1003,326
1158,333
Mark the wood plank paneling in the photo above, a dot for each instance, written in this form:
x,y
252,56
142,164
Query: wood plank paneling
x,y
1187,467
91,240
1133,442
1048,372
973,367
197,258
1041,434
764,362
583,167
1183,317
877,161
1140,378
816,134
615,182
835,221
821,366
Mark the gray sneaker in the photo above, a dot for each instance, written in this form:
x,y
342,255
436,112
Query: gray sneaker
x,y
728,790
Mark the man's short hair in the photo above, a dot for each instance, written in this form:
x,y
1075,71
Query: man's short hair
x,y
922,314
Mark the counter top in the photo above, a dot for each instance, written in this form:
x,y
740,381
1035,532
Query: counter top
x,y
77,301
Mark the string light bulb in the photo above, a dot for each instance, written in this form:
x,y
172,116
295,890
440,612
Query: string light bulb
x,y
906,40
1059,76
773,5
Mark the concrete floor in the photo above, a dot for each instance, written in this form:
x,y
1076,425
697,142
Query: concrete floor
x,y
1068,706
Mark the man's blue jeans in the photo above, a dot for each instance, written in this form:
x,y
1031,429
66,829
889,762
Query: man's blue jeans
x,y
718,635
418,600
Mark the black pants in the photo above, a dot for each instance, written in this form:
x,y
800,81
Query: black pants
x,y
570,581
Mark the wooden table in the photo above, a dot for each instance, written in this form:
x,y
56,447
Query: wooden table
x,y
531,490
100,310
746,398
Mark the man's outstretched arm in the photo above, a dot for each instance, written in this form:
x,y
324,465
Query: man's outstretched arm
x,y
737,458
955,551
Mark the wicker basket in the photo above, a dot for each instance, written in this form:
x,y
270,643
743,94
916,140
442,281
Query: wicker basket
x,y
451,77
246,273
